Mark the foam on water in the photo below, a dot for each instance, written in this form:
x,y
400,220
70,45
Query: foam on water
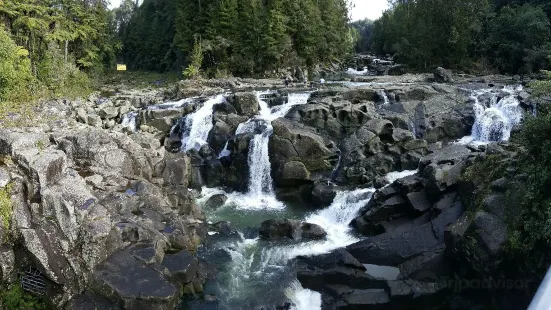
x,y
495,121
353,71
303,299
129,120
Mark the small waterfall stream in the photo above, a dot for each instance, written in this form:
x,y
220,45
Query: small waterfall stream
x,y
495,116
199,124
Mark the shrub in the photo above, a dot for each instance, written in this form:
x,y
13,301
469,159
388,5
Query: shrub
x,y
61,77
16,79
14,298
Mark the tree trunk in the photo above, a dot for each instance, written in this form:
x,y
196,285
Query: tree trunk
x,y
66,49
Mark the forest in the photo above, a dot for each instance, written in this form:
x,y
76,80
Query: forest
x,y
479,36
57,47
54,47
241,37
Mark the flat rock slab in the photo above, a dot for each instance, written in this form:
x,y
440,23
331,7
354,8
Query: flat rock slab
x,y
130,283
181,267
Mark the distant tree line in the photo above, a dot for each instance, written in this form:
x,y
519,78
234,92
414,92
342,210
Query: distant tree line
x,y
509,36
235,36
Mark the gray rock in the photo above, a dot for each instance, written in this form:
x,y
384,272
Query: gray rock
x,y
5,177
108,112
396,247
245,103
141,287
7,264
94,120
180,267
479,240
291,229
215,201
442,75
419,201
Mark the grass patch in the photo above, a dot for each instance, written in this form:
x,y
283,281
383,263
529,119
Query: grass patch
x,y
6,207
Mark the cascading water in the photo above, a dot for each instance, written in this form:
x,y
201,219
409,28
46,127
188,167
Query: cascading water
x,y
495,120
198,125
259,273
260,194
258,268
129,120
383,95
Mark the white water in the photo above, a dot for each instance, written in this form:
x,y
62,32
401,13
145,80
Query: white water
x,y
199,124
260,194
393,176
495,122
353,71
253,264
129,120
382,93
303,299
172,104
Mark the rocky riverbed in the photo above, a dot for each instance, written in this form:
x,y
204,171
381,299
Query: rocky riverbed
x,y
226,192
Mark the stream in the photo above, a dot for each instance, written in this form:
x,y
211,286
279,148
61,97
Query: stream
x,y
258,274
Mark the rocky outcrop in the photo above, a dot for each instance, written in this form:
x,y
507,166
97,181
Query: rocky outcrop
x,y
245,103
81,198
442,75
290,229
419,234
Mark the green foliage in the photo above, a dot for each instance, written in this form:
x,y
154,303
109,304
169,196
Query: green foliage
x,y
15,70
238,36
193,70
14,298
47,47
542,87
473,35
430,33
362,36
518,39
6,208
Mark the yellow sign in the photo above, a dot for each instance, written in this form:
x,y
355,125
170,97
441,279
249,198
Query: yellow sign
x,y
121,67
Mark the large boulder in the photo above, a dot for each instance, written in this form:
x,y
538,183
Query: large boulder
x,y
146,284
291,229
245,103
442,75
398,245
296,152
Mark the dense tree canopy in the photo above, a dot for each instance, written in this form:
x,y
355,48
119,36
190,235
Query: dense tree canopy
x,y
236,36
60,39
511,36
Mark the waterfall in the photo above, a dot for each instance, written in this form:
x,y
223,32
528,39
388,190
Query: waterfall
x,y
225,152
353,71
303,299
198,125
129,120
260,193
260,180
382,94
494,122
